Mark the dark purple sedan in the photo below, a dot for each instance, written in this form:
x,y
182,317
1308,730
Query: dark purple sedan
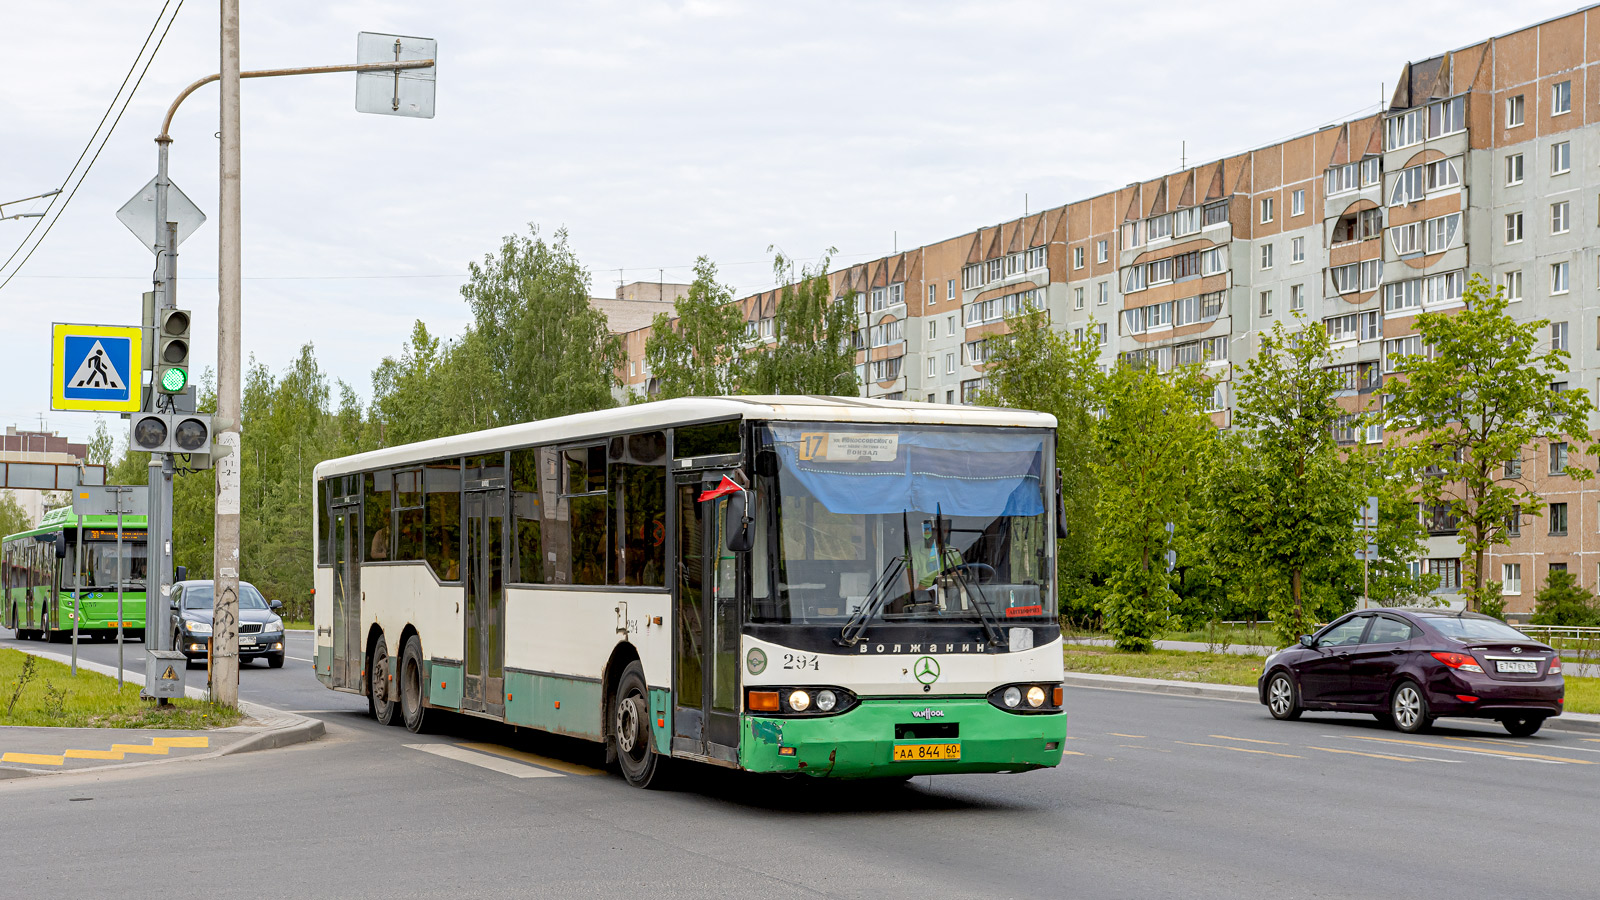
x,y
1408,667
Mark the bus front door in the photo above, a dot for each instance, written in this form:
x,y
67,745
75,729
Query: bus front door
x,y
348,664
705,717
484,688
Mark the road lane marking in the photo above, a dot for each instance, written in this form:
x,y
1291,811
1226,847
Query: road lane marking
x,y
1241,749
1359,753
485,761
533,759
1223,737
1504,754
1504,742
1072,753
1120,734
299,659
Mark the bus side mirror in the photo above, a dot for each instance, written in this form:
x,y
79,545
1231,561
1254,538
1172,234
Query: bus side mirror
x,y
1061,511
736,523
183,573
61,545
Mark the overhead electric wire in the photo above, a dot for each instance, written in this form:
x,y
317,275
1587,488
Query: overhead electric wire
x,y
103,141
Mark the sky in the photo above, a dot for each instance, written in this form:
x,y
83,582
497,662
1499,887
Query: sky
x,y
652,132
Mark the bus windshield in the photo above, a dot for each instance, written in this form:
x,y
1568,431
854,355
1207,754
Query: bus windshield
x,y
99,569
914,523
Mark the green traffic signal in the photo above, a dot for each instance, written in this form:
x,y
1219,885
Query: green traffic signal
x,y
173,380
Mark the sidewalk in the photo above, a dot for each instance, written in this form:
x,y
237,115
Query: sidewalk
x,y
26,751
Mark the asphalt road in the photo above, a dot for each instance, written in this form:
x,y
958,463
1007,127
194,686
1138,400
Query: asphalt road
x,y
1161,796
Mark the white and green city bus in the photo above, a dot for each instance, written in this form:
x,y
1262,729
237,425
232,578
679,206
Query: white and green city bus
x,y
822,586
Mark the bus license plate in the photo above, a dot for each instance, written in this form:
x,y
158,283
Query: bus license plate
x,y
922,752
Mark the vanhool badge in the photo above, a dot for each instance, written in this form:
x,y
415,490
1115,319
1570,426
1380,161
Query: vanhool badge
x,y
756,661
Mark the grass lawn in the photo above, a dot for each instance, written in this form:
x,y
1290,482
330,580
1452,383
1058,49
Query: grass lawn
x,y
1177,665
297,624
1583,695
53,697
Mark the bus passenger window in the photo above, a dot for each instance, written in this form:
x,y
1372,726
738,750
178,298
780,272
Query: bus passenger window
x,y
527,511
442,543
408,515
376,533
638,519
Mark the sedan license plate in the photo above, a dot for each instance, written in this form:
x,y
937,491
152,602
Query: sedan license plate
x,y
925,752
1524,666
246,641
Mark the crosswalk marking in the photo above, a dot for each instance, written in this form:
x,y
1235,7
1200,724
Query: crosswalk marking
x,y
157,747
485,761
533,759
1241,749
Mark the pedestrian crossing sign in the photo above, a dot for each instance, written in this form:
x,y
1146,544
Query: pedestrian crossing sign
x,y
96,368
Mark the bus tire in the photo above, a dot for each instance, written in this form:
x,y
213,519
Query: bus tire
x,y
630,729
412,681
386,711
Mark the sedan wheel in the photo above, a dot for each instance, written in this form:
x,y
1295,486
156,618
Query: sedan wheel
x,y
1282,701
1409,708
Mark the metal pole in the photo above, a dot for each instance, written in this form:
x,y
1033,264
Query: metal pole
x,y
77,594
225,615
120,568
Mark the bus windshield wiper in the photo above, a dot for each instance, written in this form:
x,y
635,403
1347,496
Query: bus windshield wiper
x,y
970,588
877,596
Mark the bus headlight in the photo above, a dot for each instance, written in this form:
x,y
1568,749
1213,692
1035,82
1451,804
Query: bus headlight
x,y
826,701
1011,697
1036,696
1040,698
799,701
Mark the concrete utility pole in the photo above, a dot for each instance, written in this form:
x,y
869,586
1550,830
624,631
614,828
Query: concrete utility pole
x,y
225,619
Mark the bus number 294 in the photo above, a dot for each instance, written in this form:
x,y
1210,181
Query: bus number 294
x,y
800,661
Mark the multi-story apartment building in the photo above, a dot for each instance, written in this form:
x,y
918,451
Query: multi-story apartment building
x,y
1486,161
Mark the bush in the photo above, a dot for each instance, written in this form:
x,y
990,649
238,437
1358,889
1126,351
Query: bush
x,y
1562,601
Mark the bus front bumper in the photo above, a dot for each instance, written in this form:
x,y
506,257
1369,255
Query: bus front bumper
x,y
861,742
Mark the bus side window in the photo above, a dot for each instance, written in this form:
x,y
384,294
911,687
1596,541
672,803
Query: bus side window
x,y
408,518
324,526
585,500
527,511
442,482
637,476
376,534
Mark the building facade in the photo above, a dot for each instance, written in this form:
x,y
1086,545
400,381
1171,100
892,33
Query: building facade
x,y
1486,161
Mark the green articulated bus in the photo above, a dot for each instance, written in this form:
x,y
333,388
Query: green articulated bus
x,y
37,566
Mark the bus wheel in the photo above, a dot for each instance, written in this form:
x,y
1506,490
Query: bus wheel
x,y
411,686
384,710
630,729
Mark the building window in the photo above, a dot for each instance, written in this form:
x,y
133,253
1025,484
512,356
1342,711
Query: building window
x,y
1514,106
1449,572
1266,303
1560,98
1077,298
1297,250
1406,239
1105,294
1511,573
1558,336
1077,257
972,277
1186,221
1102,251
1213,261
1297,297
933,329
1103,328
949,363
1512,282
1266,210
1266,256
1560,217
1442,175
1157,228
933,365
933,294
949,326
1442,232
950,396
880,299
1513,169
1558,278
1514,228
1558,520
1035,258
1561,158
1409,186
1215,214
1558,460
1297,203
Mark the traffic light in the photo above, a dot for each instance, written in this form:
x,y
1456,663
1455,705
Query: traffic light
x,y
185,433
172,351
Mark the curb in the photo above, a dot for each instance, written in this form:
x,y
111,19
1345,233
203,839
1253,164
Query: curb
x,y
1577,722
277,728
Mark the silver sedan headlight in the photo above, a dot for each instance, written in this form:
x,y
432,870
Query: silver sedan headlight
x,y
198,627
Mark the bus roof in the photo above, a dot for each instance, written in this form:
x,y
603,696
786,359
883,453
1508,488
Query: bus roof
x,y
62,517
688,410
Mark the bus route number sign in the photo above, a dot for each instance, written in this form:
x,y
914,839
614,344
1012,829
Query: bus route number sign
x,y
837,446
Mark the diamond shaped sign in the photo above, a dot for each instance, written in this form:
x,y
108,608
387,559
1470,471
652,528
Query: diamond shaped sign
x,y
139,214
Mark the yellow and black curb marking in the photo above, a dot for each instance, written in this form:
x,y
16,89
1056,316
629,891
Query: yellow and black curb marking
x,y
157,747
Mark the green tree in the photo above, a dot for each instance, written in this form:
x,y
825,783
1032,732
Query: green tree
x,y
1464,411
13,518
1154,436
1399,541
699,352
1281,497
1036,367
812,352
546,351
101,446
1562,601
